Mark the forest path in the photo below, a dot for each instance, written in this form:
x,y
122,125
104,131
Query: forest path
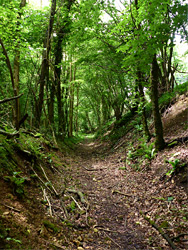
x,y
100,177
118,189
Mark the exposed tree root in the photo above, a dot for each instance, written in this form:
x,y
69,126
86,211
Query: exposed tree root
x,y
174,142
80,194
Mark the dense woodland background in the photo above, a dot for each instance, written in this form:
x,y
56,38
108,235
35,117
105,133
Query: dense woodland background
x,y
77,65
93,124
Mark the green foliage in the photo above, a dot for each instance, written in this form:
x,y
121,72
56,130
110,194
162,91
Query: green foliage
x,y
144,150
3,232
8,162
174,165
164,224
33,144
72,206
71,141
168,97
102,132
14,240
17,181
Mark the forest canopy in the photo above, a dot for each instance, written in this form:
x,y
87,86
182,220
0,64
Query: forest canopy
x,y
74,66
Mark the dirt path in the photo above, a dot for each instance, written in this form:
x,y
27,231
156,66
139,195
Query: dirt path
x,y
103,182
120,195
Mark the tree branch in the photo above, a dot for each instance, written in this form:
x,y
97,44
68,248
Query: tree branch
x,y
9,135
10,99
8,64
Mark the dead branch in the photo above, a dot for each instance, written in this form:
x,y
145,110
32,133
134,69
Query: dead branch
x,y
94,169
77,203
91,169
79,193
112,240
13,208
179,236
56,193
55,244
118,192
64,209
47,199
40,179
10,99
164,235
104,229
9,135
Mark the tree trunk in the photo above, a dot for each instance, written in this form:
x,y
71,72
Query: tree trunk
x,y
77,105
143,110
16,71
71,101
44,66
12,80
57,75
61,96
159,140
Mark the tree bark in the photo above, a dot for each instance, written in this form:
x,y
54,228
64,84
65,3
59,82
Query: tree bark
x,y
44,66
57,76
77,105
16,106
16,71
10,99
62,105
159,140
143,110
71,100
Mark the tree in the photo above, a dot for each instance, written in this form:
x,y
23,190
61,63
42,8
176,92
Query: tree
x,y
63,29
17,66
147,28
44,66
159,141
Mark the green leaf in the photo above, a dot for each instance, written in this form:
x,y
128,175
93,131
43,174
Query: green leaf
x,y
122,168
170,198
164,224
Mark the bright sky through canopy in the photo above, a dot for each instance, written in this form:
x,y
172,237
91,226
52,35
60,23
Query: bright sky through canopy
x,y
37,3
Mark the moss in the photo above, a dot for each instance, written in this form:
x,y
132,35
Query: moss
x,y
7,160
50,225
3,232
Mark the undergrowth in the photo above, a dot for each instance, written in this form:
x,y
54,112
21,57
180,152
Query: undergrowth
x,y
130,120
143,151
167,97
